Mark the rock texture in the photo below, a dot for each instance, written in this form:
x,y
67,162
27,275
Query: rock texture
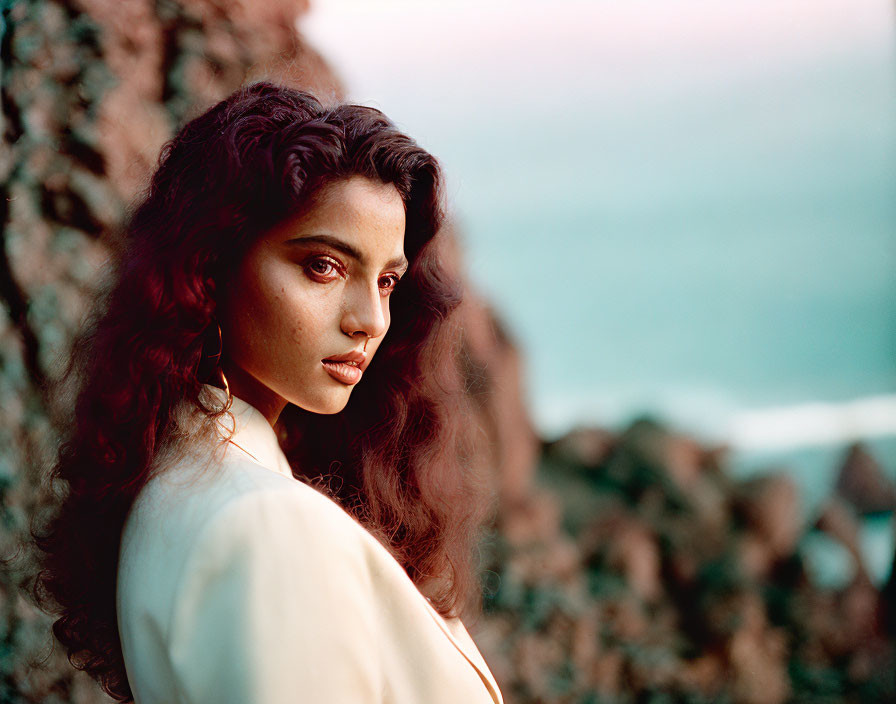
x,y
863,484
632,574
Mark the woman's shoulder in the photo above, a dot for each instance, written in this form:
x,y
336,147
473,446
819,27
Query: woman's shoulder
x,y
189,497
238,511
287,521
263,502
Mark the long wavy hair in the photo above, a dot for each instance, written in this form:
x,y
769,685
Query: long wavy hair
x,y
398,457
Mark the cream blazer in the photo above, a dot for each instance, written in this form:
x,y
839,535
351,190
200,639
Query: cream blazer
x,y
239,584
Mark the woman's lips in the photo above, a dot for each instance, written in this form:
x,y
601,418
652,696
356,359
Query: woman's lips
x,y
346,373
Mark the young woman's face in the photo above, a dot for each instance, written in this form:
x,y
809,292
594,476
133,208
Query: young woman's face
x,y
315,286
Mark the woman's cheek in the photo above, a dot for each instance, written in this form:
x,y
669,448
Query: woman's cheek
x,y
276,289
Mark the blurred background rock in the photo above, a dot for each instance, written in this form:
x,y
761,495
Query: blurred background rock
x,y
630,564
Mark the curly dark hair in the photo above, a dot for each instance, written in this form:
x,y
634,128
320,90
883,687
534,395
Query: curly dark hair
x,y
401,446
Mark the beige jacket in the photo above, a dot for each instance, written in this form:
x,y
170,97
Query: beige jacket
x,y
238,583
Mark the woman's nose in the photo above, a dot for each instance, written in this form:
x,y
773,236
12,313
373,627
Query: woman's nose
x,y
364,311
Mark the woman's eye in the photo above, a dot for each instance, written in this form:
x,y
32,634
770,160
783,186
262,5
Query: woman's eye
x,y
321,267
391,282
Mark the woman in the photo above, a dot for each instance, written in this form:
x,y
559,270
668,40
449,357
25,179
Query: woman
x,y
268,498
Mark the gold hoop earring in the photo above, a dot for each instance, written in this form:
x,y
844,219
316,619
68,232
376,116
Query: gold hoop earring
x,y
226,385
220,368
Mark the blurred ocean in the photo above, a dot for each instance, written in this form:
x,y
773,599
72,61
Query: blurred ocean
x,y
670,213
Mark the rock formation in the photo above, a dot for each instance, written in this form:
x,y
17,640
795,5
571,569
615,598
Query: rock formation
x,y
863,484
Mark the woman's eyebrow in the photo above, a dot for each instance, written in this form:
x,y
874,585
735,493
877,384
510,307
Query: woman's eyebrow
x,y
345,248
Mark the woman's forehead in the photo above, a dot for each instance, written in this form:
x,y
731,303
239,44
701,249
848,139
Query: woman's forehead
x,y
363,218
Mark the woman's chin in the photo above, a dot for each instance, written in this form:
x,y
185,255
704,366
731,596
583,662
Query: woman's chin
x,y
327,406
336,408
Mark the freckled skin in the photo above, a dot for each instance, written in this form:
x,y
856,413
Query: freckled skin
x,y
288,306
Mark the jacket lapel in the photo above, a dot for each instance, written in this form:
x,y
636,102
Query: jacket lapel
x,y
462,641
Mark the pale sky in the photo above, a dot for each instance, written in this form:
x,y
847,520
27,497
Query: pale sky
x,y
495,46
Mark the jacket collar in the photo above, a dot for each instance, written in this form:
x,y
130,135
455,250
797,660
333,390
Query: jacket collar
x,y
253,437
460,637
